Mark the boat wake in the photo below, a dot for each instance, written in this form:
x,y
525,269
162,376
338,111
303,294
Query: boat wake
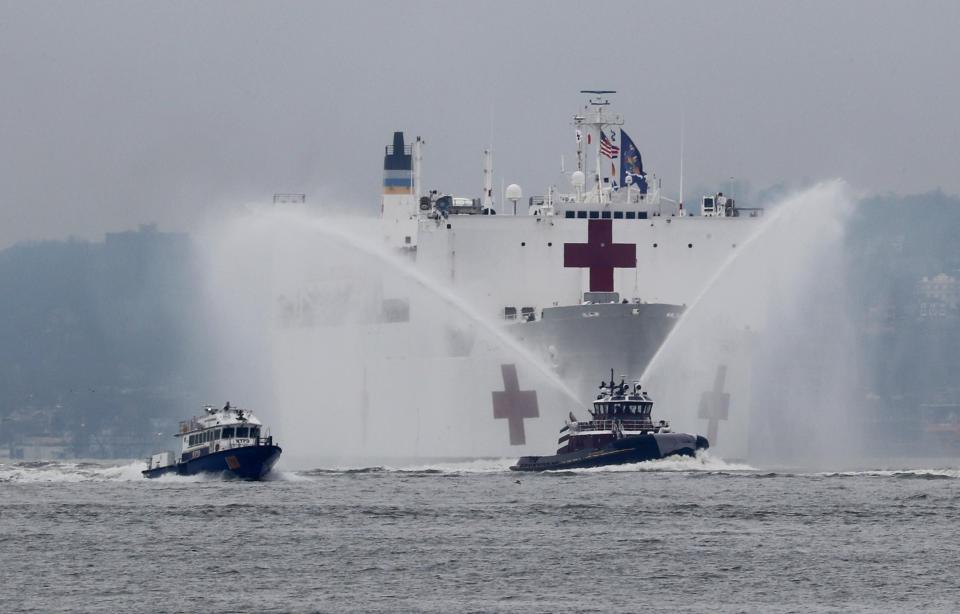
x,y
276,475
80,471
480,465
921,474
60,471
703,461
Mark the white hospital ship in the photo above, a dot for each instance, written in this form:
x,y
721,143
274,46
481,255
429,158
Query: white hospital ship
x,y
587,275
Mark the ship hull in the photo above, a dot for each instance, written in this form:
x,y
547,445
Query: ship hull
x,y
592,338
632,449
248,463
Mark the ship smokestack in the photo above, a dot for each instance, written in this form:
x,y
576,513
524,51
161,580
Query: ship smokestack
x,y
397,167
399,203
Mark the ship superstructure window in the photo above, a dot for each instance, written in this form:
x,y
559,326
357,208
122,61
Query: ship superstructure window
x,y
581,215
570,214
254,432
605,215
594,215
228,432
242,431
618,215
631,215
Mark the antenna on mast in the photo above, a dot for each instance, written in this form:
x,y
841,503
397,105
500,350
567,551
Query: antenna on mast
x,y
488,178
681,166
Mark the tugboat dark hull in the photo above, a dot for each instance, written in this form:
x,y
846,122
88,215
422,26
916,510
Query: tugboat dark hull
x,y
248,463
631,449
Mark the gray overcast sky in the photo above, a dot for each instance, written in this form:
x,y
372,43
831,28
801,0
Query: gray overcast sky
x,y
113,114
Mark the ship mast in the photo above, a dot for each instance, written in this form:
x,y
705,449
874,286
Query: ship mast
x,y
681,168
487,179
595,121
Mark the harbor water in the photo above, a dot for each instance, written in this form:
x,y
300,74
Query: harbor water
x,y
700,535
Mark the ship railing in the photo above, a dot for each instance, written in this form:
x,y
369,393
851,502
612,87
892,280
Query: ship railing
x,y
230,444
187,426
607,425
263,440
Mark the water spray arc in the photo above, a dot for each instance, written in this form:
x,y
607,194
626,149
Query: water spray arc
x,y
354,241
773,219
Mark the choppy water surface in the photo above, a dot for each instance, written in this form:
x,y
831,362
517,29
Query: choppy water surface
x,y
691,535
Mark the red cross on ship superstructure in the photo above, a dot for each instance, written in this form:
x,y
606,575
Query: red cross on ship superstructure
x,y
600,254
514,404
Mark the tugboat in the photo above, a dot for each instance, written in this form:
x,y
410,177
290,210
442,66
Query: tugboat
x,y
620,431
225,440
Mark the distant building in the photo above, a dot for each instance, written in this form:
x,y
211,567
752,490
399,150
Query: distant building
x,y
938,296
882,317
40,448
286,199
96,339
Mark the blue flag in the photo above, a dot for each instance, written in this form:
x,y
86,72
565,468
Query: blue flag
x,y
631,164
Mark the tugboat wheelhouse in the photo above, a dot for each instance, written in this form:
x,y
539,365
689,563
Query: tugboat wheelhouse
x,y
620,430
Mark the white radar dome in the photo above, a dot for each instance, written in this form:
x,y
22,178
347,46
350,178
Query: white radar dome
x,y
514,192
578,179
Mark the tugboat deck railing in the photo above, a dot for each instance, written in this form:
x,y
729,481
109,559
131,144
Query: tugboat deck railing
x,y
608,425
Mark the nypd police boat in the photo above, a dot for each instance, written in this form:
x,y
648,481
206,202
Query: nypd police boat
x,y
225,440
620,431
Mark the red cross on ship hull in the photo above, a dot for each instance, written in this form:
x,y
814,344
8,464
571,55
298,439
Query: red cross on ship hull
x,y
715,405
600,254
514,404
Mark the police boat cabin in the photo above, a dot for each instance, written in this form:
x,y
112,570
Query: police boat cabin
x,y
229,439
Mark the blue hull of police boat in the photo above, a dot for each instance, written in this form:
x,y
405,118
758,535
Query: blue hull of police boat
x,y
248,463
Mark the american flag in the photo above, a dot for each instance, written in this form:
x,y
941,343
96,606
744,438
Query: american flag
x,y
607,148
